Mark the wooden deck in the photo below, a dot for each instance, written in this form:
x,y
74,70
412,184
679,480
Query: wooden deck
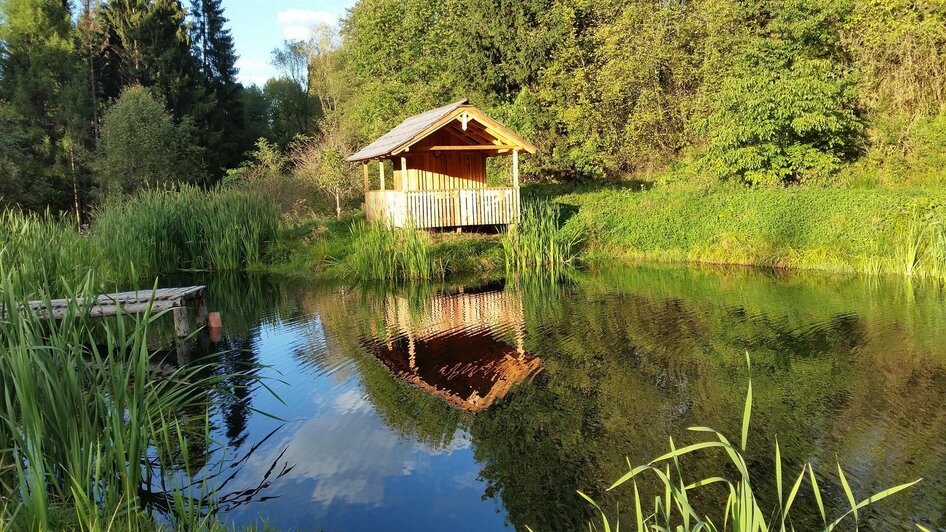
x,y
135,302
443,208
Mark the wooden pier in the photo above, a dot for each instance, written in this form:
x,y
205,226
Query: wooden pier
x,y
136,302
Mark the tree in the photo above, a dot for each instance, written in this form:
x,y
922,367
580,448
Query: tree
x,y
785,109
287,110
13,187
213,45
321,162
292,62
40,77
142,146
149,45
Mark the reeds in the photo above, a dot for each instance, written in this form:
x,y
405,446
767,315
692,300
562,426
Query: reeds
x,y
185,229
539,244
742,512
156,232
382,254
86,425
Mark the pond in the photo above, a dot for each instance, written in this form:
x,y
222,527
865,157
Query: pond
x,y
467,407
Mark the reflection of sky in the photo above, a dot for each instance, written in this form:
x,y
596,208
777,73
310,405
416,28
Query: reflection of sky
x,y
350,471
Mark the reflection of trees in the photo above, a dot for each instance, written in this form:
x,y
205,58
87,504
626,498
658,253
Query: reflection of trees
x,y
626,368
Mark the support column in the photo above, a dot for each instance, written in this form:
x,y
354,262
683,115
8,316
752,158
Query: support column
x,y
515,169
364,166
181,325
381,166
403,173
200,311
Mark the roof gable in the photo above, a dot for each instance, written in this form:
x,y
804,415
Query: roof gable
x,y
417,127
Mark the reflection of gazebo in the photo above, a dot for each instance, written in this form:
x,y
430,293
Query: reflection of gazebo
x,y
453,347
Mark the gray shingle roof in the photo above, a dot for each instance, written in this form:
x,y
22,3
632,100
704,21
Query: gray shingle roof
x,y
404,132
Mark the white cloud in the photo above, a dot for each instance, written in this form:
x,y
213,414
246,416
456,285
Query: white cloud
x,y
297,24
254,70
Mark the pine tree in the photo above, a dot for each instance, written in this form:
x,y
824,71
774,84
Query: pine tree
x,y
214,49
40,79
150,46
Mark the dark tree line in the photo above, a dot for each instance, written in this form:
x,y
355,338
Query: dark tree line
x,y
64,72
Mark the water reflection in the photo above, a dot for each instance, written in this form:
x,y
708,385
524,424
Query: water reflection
x,y
448,345
370,383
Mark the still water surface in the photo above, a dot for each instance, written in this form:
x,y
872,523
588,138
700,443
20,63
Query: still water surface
x,y
487,407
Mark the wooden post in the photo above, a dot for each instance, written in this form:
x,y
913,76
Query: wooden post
x,y
200,311
181,325
515,168
403,172
365,167
381,166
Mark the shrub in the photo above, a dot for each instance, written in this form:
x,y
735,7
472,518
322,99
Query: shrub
x,y
142,147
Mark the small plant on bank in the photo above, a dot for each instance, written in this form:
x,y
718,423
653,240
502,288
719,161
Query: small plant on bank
x,y
743,512
539,243
383,254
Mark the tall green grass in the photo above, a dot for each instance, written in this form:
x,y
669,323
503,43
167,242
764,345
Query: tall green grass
x,y
743,512
156,232
889,231
540,244
188,228
86,424
382,254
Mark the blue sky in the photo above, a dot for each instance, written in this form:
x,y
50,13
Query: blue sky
x,y
259,26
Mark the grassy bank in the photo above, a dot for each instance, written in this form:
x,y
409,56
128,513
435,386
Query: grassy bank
x,y
900,231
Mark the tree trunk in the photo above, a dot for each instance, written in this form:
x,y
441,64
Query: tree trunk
x,y
75,191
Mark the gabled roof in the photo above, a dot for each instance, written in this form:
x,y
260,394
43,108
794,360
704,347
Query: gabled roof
x,y
421,125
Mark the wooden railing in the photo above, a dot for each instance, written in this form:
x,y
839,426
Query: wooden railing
x,y
443,208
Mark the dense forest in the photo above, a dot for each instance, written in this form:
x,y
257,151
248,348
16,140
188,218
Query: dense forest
x,y
110,96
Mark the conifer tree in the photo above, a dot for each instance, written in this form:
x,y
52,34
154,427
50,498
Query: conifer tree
x,y
214,49
39,77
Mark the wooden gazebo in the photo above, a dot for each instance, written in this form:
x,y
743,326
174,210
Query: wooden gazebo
x,y
439,161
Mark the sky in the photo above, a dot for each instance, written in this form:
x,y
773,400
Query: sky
x,y
259,26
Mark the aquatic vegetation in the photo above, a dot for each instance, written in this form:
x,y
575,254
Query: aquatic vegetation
x,y
90,432
382,254
540,244
158,231
185,229
743,511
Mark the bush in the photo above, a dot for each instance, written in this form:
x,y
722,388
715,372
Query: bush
x,y
142,147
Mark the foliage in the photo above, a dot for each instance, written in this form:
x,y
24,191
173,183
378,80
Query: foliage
x,y
743,511
142,147
213,42
539,244
785,111
321,162
86,424
266,173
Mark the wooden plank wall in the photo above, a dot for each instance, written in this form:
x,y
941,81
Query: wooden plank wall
x,y
445,170
386,207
